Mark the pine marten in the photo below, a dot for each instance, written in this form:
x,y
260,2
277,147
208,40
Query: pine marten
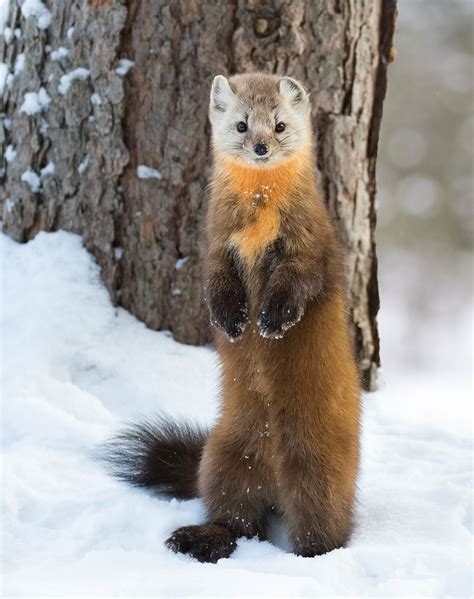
x,y
287,436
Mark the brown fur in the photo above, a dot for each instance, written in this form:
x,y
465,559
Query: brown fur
x,y
288,433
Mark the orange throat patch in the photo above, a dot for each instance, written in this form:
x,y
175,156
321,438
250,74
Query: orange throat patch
x,y
257,235
262,192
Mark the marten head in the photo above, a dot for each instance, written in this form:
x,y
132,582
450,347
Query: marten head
x,y
259,119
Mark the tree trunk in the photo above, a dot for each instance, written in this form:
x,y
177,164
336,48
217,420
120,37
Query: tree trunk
x,y
82,141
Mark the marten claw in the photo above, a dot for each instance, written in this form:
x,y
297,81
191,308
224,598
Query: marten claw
x,y
230,316
276,319
233,328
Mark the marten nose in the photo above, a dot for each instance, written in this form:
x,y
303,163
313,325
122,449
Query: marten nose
x,y
260,149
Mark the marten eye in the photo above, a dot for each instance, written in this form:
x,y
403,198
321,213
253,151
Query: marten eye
x,y
241,127
280,127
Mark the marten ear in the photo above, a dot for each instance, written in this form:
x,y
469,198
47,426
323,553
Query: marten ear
x,y
293,92
221,95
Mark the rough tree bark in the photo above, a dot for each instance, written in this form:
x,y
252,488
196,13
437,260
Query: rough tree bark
x,y
82,144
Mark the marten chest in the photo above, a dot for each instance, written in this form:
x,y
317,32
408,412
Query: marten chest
x,y
261,221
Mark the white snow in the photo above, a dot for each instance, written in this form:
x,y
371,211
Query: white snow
x,y
19,63
48,169
84,164
9,80
75,367
7,34
32,180
4,13
3,76
35,102
68,78
124,66
146,172
10,153
70,33
96,99
36,8
61,52
180,262
7,208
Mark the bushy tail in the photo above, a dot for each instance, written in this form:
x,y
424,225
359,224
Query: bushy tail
x,y
159,454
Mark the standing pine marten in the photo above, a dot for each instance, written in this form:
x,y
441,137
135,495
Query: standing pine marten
x,y
287,437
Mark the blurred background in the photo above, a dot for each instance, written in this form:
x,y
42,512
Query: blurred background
x,y
425,190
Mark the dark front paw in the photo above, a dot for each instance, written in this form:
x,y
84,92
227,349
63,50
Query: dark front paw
x,y
280,311
228,308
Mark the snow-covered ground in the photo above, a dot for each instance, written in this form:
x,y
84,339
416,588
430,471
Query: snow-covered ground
x,y
74,368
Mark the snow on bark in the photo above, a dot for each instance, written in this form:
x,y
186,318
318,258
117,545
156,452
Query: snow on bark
x,y
60,53
32,180
68,78
124,66
3,76
35,102
145,172
10,154
36,8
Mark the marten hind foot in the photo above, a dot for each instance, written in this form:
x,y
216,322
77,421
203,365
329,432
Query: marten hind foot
x,y
311,548
321,534
205,542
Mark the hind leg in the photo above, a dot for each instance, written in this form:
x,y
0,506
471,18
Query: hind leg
x,y
235,482
317,516
317,456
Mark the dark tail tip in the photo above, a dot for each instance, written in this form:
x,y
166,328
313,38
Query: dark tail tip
x,y
158,454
